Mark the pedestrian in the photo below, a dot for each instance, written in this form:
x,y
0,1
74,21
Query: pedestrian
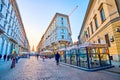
x,y
8,57
45,57
0,56
4,57
37,55
29,55
57,56
13,63
16,59
13,59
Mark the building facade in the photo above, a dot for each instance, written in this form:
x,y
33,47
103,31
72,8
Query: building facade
x,y
12,33
58,33
102,25
40,46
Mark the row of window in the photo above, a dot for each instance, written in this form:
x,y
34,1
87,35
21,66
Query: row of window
x,y
107,41
53,27
103,18
57,33
9,21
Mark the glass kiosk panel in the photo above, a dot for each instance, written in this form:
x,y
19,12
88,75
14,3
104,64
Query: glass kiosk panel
x,y
104,56
73,57
104,59
83,58
68,57
93,58
62,56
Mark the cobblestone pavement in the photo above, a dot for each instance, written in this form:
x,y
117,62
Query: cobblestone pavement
x,y
33,69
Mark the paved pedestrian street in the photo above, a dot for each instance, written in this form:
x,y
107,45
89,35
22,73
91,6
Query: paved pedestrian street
x,y
33,69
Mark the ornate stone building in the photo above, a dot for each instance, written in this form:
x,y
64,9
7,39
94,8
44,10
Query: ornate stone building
x,y
102,25
57,35
12,32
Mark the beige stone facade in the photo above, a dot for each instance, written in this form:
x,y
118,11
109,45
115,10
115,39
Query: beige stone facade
x,y
102,25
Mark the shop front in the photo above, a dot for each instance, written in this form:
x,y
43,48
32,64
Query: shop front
x,y
89,57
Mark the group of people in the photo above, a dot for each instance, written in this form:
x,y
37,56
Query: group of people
x,y
5,57
57,57
42,56
13,57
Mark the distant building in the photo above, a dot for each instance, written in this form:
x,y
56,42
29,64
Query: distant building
x,y
57,35
40,46
33,48
102,25
12,33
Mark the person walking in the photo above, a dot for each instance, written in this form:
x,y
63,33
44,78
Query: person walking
x,y
16,59
4,57
13,62
57,56
37,55
13,59
0,56
8,57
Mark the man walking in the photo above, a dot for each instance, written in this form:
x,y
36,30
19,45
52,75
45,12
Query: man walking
x,y
4,57
37,55
0,56
57,56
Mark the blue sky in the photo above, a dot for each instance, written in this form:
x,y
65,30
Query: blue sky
x,y
37,14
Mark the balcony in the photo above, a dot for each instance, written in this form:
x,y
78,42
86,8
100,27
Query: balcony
x,y
63,40
53,42
11,38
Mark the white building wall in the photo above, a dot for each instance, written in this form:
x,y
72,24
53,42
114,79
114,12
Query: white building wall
x,y
11,26
58,28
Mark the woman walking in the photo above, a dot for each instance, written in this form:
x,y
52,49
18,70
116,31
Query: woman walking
x,y
13,62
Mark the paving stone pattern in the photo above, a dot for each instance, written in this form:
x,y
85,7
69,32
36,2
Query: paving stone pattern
x,y
33,69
